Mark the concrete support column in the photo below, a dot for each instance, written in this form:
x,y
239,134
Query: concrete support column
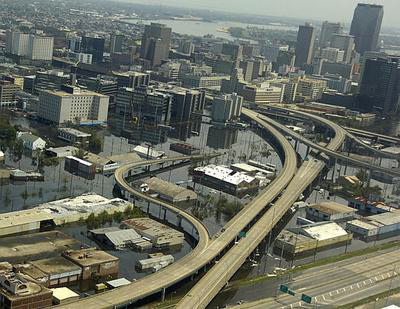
x,y
179,223
159,213
148,207
307,151
163,294
165,214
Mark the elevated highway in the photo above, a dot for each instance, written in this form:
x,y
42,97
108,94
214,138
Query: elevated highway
x,y
330,152
338,130
207,250
209,286
373,135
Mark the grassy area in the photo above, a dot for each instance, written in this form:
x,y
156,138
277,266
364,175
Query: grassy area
x,y
370,299
321,262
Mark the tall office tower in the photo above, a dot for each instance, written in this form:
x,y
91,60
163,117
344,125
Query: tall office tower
x,y
380,87
226,108
116,42
344,42
366,26
328,30
305,44
143,114
332,54
93,46
17,43
132,79
235,51
156,42
74,44
40,47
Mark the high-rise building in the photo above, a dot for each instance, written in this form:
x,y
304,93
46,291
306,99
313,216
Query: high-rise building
x,y
40,47
328,31
143,114
344,42
116,42
235,51
94,46
226,108
132,79
7,93
75,106
332,54
156,42
380,85
32,46
305,44
366,26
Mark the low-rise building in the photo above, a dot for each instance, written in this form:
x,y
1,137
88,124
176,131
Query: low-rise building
x,y
364,205
120,239
58,271
311,238
63,296
80,167
61,152
31,142
17,291
159,234
330,211
148,152
376,225
348,181
93,262
73,136
169,192
226,180
184,148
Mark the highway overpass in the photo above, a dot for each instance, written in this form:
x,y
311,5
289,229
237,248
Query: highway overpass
x,y
209,286
207,251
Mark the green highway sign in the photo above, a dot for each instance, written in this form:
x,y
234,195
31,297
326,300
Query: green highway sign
x,y
306,298
290,292
242,234
283,288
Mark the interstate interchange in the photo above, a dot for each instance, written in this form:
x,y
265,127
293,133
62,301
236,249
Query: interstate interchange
x,y
224,253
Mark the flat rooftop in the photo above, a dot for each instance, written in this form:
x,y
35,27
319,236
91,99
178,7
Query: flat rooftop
x,y
22,217
323,230
56,265
332,208
150,226
90,256
169,189
18,249
74,132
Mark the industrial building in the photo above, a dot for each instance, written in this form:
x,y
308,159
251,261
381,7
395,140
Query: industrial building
x,y
35,246
311,238
73,136
56,271
159,234
93,262
58,212
226,180
184,148
17,292
330,211
156,263
169,192
364,205
376,225
148,153
120,239
80,167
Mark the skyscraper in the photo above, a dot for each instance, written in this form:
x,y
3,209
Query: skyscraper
x,y
380,87
305,44
328,30
93,46
344,42
156,42
116,42
366,26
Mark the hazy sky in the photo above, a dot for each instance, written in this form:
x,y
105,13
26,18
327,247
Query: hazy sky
x,y
335,10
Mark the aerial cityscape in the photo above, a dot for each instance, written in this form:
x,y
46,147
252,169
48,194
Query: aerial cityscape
x,y
157,156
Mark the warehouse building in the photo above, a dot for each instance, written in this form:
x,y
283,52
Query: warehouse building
x,y
376,226
93,262
73,136
80,167
170,192
63,296
120,239
57,271
225,179
330,211
364,205
159,234
311,238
